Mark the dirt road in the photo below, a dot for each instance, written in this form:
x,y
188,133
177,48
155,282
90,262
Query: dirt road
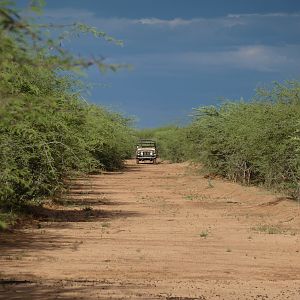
x,y
156,232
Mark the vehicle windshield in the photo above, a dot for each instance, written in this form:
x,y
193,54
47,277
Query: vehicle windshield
x,y
146,144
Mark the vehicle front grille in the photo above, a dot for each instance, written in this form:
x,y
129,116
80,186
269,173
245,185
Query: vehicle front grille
x,y
146,154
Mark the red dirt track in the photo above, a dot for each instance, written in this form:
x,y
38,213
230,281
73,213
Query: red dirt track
x,y
156,232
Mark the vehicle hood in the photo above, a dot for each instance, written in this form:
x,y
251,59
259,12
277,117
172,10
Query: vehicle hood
x,y
145,149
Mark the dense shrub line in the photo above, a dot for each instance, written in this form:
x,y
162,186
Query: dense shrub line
x,y
47,132
253,142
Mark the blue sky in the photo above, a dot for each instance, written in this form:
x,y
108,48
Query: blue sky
x,y
184,53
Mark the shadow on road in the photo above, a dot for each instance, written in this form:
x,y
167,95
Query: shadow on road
x,y
44,230
66,289
86,214
37,237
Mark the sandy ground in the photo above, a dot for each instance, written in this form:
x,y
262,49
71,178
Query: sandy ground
x,y
156,232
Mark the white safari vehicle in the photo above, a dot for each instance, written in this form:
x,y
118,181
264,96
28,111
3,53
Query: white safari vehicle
x,y
146,150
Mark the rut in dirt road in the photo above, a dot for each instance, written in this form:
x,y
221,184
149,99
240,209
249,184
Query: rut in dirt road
x,y
156,232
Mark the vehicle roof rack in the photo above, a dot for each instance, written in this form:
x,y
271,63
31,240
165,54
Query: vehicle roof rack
x,y
146,142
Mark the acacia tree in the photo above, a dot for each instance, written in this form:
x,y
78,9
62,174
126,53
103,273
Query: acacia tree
x,y
254,142
46,131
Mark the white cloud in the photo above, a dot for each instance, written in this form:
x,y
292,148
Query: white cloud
x,y
228,21
201,34
172,23
90,17
267,15
260,58
255,57
179,22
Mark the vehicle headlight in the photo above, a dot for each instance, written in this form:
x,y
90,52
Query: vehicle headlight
x,y
151,152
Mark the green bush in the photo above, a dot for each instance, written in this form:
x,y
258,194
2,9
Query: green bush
x,y
252,142
47,132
